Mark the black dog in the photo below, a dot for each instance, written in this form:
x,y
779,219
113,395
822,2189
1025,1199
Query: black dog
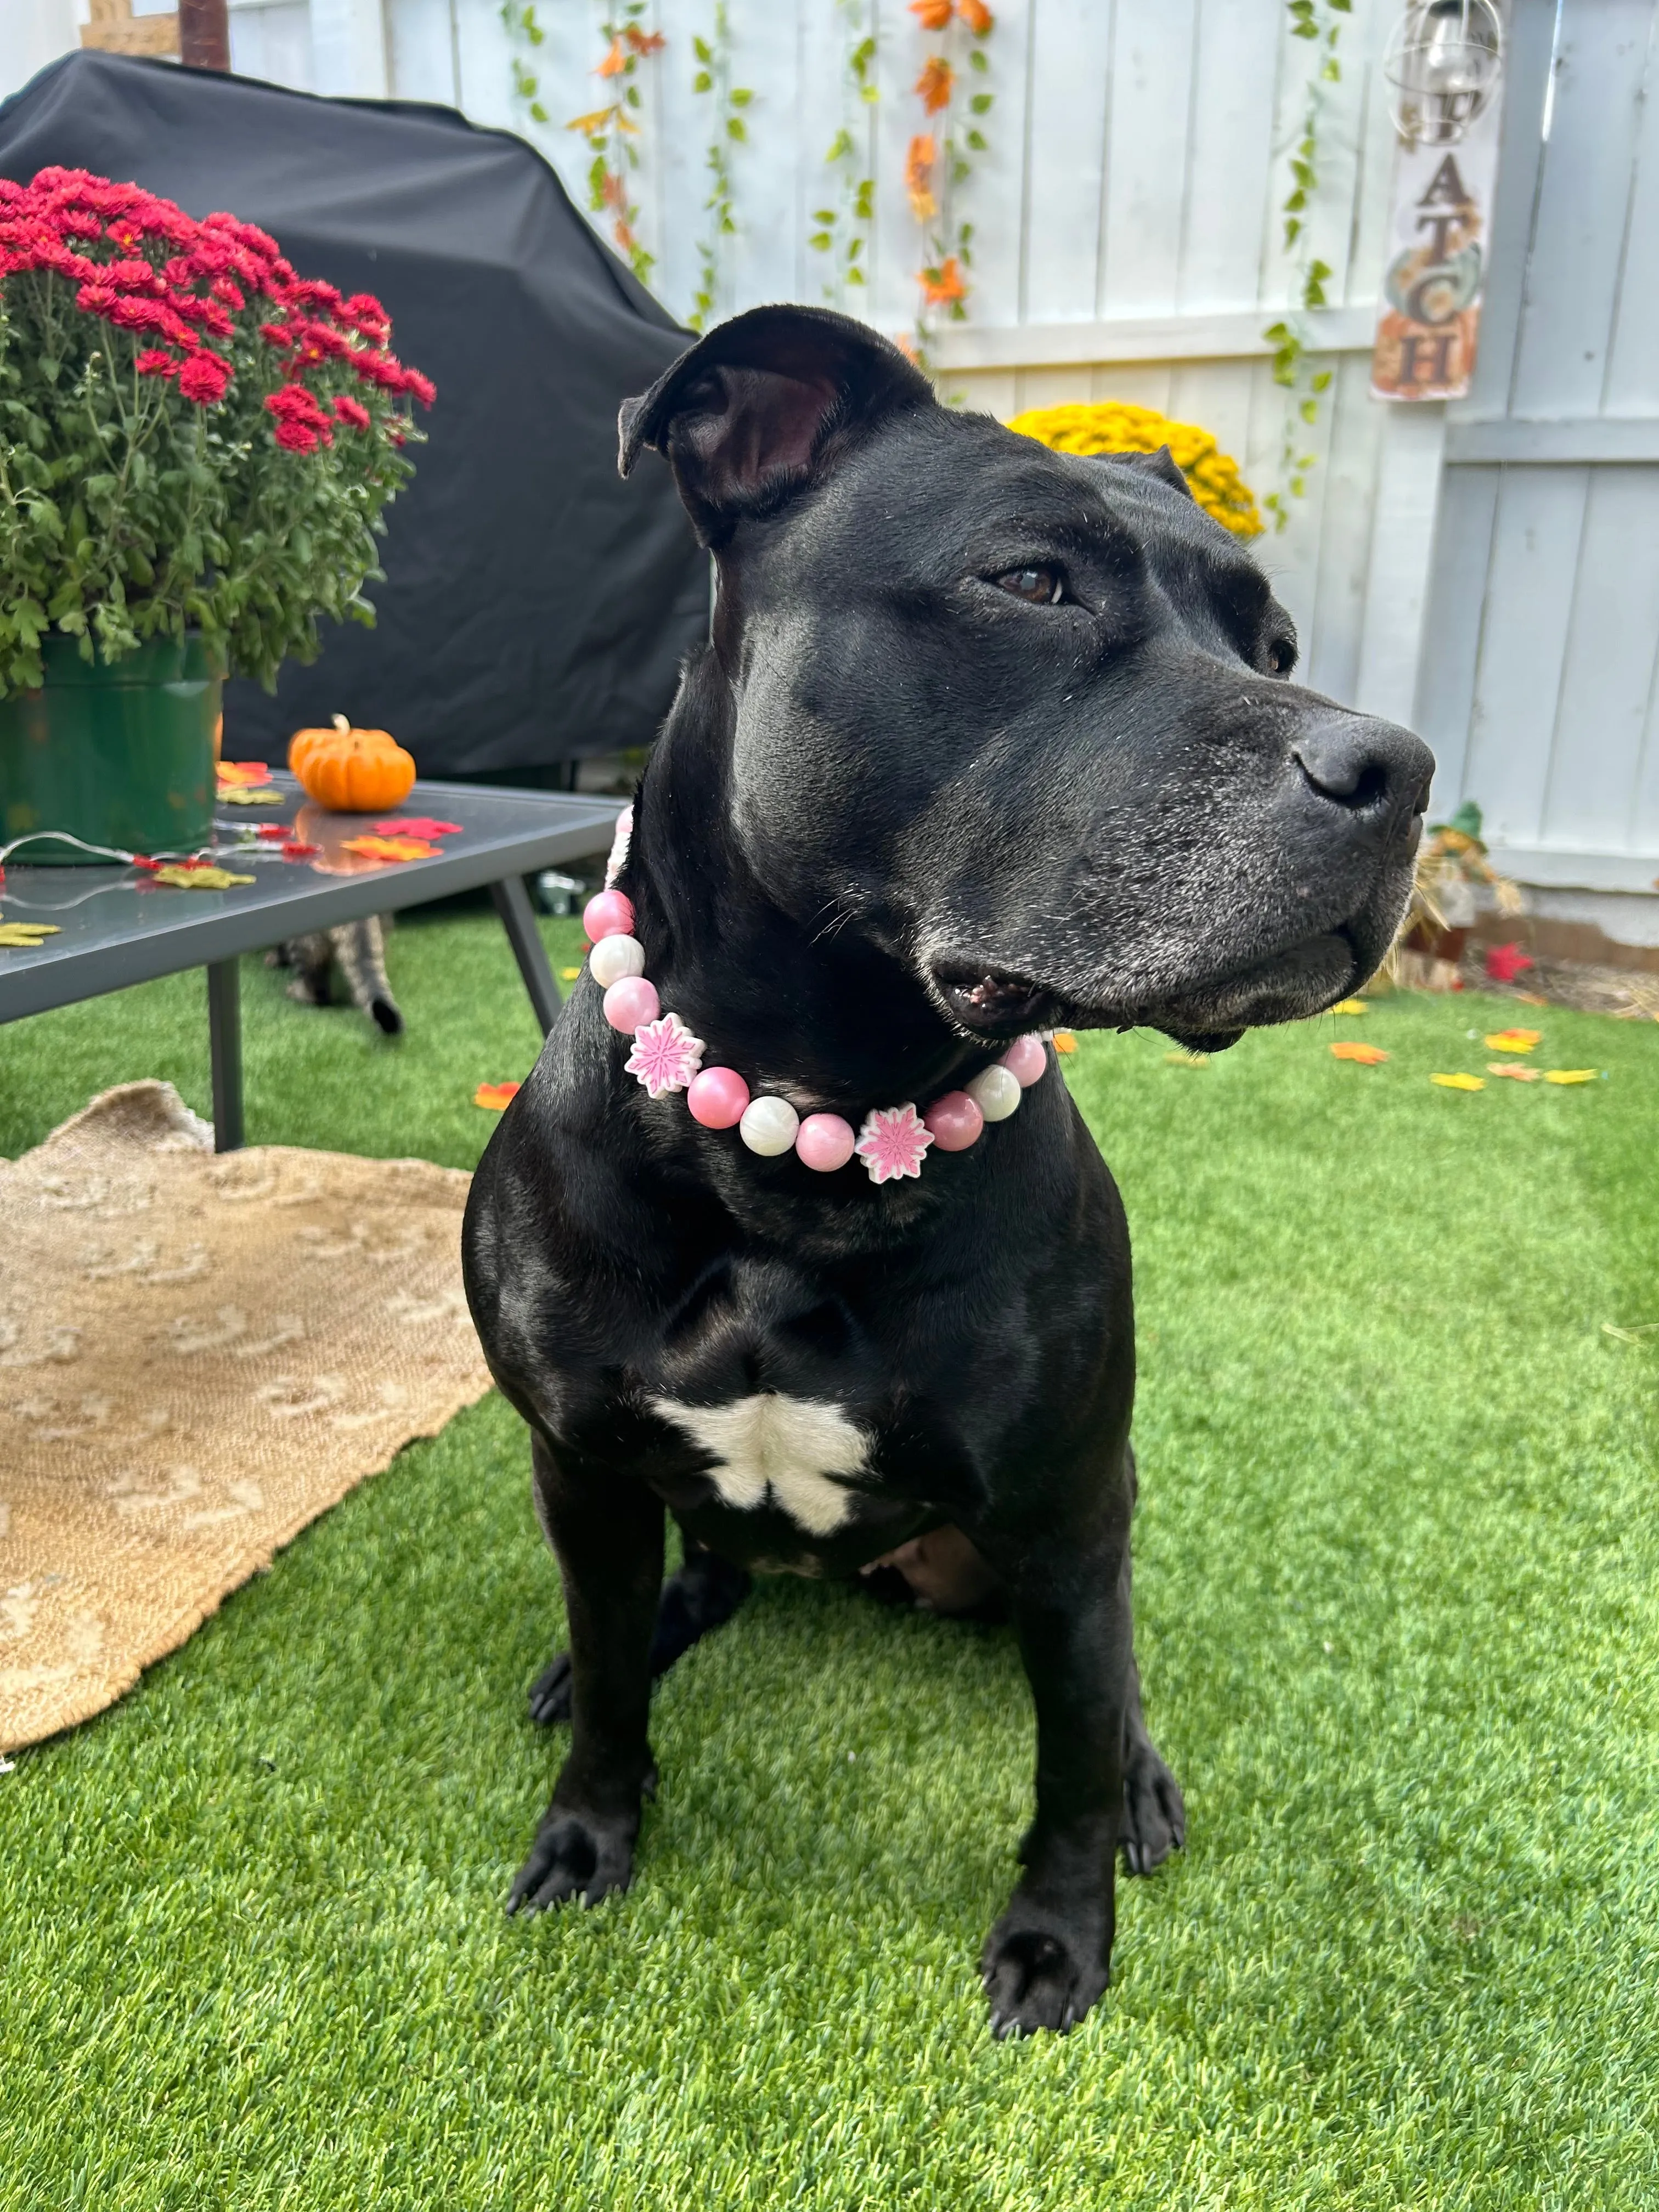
x,y
988,739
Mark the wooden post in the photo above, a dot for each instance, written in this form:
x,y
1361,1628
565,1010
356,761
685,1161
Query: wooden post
x,y
204,34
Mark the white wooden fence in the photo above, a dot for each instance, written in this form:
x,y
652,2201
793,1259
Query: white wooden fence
x,y
1127,232
1128,243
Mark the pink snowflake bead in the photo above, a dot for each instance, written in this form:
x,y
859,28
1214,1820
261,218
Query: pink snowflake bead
x,y
717,1097
824,1142
955,1120
619,845
665,1054
1025,1061
631,1002
608,913
893,1142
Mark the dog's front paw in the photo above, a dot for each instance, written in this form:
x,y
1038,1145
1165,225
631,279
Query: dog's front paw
x,y
1154,1812
1042,1971
574,1855
550,1693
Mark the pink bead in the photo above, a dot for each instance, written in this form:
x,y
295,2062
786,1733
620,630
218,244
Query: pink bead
x,y
1025,1061
608,913
824,1142
717,1098
955,1120
632,1002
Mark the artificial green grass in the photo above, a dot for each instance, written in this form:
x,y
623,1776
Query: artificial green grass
x,y
1397,1589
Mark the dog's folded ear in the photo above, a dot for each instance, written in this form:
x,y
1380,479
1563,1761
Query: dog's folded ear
x,y
761,406
1163,464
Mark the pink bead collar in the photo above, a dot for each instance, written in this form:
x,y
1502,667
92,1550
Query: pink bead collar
x,y
892,1141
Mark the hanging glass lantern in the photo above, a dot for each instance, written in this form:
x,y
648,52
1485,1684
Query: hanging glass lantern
x,y
1443,65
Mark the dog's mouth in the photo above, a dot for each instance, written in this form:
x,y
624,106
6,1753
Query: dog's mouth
x,y
1287,986
992,1004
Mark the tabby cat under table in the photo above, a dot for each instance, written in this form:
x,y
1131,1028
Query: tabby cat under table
x,y
358,948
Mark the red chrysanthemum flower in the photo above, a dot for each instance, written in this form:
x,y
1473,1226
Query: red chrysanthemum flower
x,y
295,438
292,403
153,361
203,378
352,411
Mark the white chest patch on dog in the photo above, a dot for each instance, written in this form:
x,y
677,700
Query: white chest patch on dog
x,y
794,1448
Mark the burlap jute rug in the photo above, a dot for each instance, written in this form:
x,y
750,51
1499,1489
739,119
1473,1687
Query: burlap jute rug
x,y
198,1356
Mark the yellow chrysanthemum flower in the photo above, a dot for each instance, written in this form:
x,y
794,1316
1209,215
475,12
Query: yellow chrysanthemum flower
x,y
1112,425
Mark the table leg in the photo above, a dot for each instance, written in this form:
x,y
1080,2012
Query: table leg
x,y
519,920
225,1044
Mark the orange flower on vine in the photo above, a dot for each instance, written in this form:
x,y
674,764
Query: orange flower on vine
x,y
976,16
919,177
944,286
931,15
614,62
935,82
652,42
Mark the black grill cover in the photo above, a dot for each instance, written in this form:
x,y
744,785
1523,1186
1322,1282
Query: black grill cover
x,y
535,606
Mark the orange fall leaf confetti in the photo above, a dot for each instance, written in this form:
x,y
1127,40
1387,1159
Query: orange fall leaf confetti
x,y
1365,1056
1459,1082
1512,1040
569,974
1570,1074
1064,1040
391,848
235,772
25,936
496,1095
1514,1070
1352,1006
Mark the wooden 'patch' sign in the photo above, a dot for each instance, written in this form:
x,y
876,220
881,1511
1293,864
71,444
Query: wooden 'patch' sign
x,y
1439,239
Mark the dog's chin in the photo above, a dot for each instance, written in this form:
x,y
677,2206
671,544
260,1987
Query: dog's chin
x,y
1288,986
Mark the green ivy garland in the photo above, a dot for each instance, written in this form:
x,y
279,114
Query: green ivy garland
x,y
1293,358
856,196
713,79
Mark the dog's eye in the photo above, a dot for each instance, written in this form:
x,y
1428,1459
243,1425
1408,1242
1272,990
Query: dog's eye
x,y
1040,587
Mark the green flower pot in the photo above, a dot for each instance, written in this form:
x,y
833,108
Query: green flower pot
x,y
120,755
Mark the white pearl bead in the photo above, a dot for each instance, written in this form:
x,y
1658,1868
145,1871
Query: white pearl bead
x,y
613,957
996,1092
769,1126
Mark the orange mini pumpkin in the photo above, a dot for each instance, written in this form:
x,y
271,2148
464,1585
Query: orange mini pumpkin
x,y
351,771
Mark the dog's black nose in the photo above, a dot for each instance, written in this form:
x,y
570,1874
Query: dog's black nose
x,y
1364,763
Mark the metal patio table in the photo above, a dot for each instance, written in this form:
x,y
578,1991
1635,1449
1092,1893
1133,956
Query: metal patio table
x,y
112,931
